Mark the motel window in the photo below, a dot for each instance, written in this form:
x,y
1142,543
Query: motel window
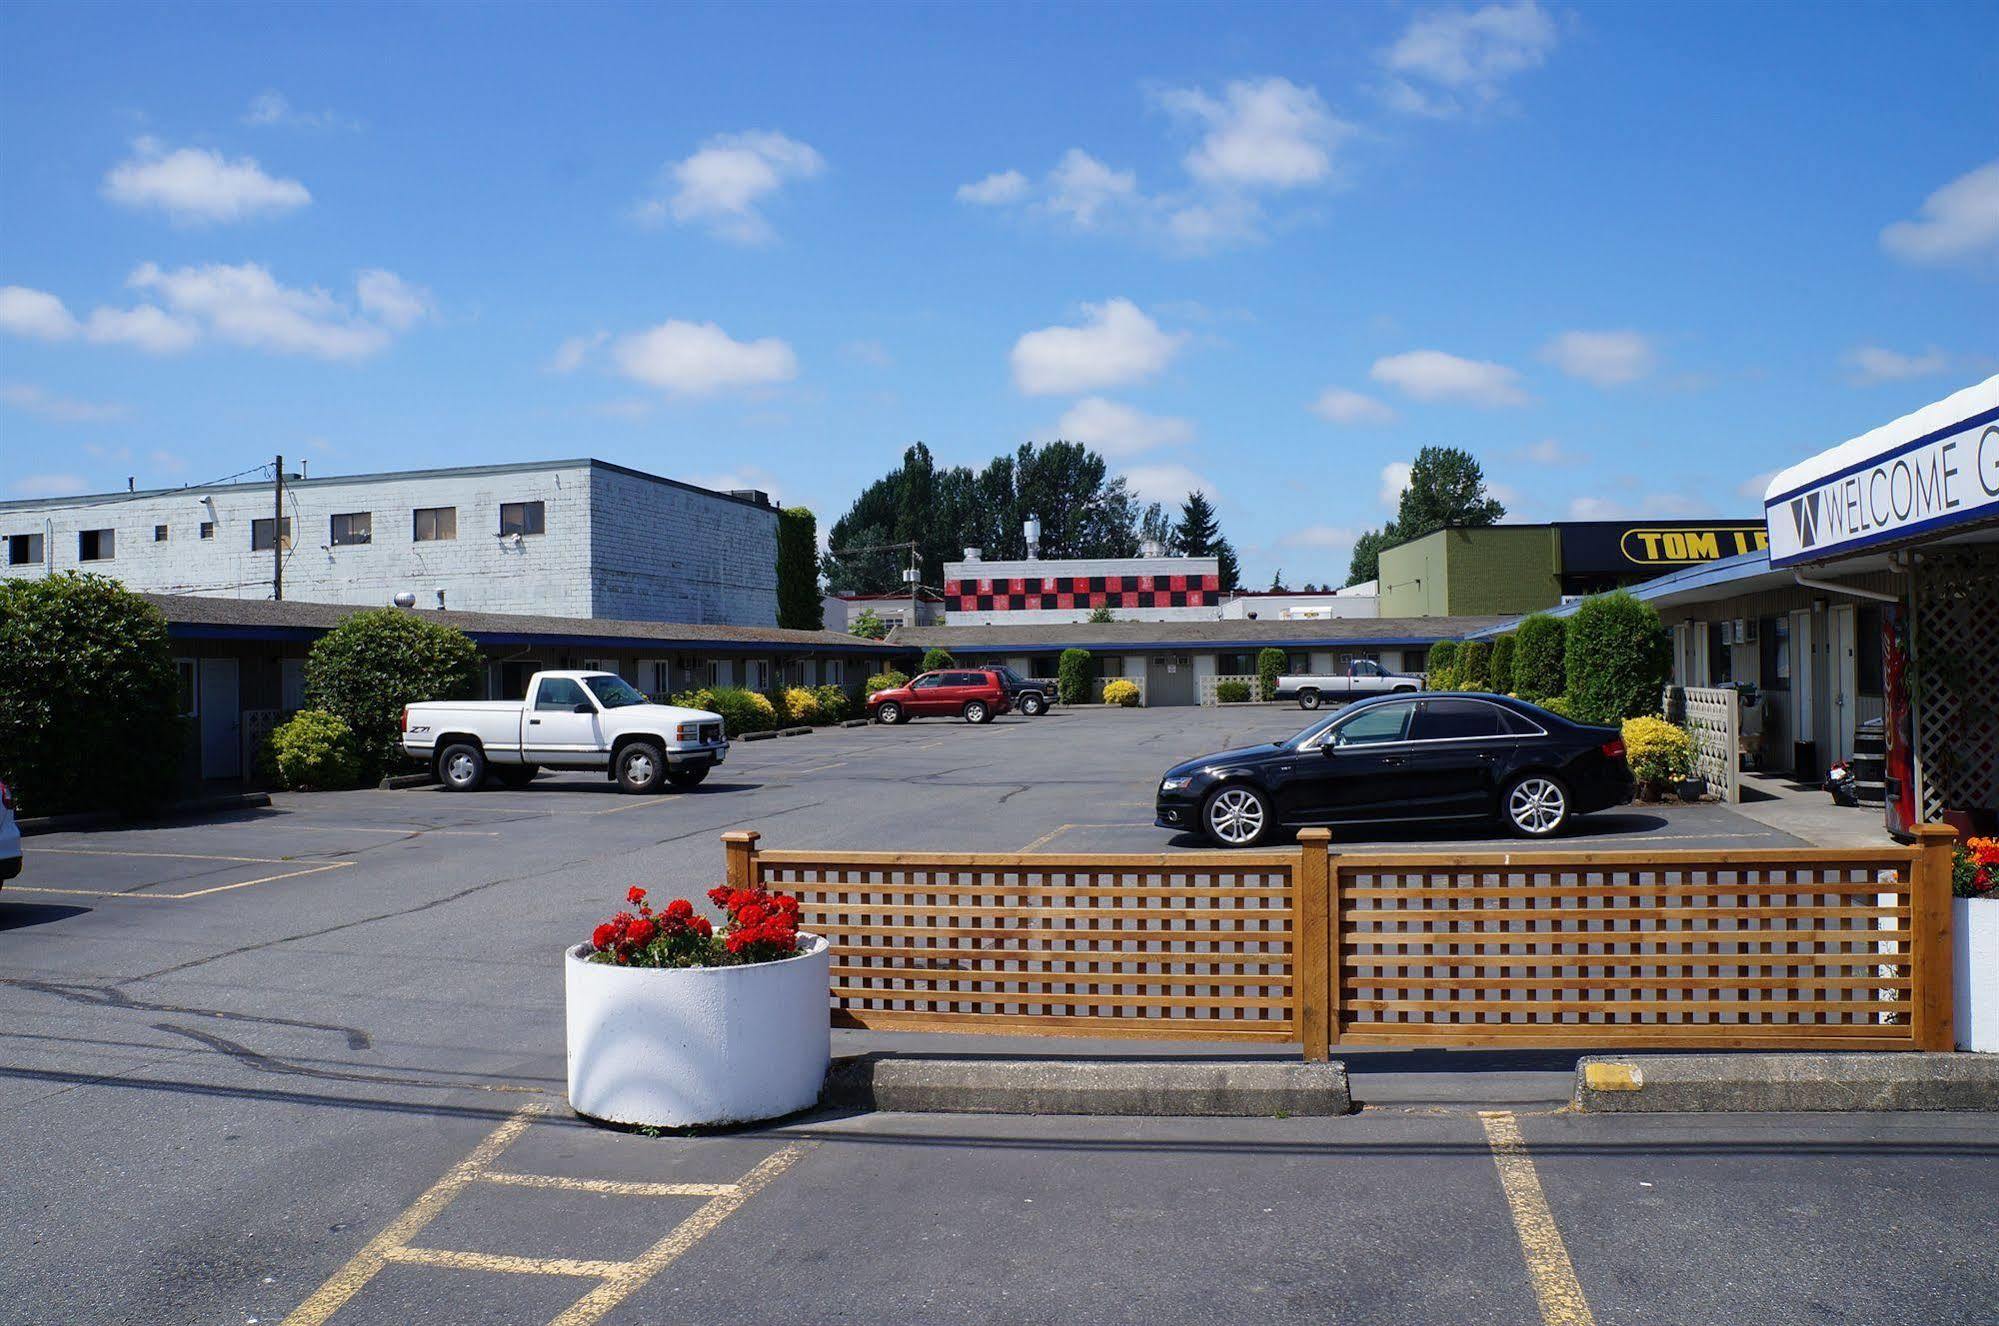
x,y
434,524
1111,665
24,549
159,534
261,539
521,518
1867,652
96,545
756,674
354,527
1720,656
190,694
1235,665
1775,639
834,671
514,677
207,529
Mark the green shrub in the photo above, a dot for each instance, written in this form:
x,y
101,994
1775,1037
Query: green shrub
x,y
801,706
869,625
742,711
1231,692
89,700
936,660
1501,678
1269,667
1072,676
1538,663
1474,666
1658,751
1443,655
315,752
834,703
372,664
1557,704
887,681
1121,693
1619,657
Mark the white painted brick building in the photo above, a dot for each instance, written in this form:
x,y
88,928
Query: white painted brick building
x,y
570,538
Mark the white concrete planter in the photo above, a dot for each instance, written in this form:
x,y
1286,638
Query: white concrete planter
x,y
1975,972
676,1046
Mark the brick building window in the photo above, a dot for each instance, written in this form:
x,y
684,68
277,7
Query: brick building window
x,y
354,527
261,534
24,549
431,524
96,545
207,529
159,534
521,518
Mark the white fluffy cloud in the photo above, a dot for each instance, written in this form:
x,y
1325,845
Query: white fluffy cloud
x,y
699,359
1261,134
1117,430
722,185
32,399
1166,484
1605,358
1545,452
1432,375
1086,190
143,327
1341,406
245,305
49,485
35,314
569,356
996,189
272,109
1320,536
1452,61
1869,364
198,185
1394,478
1755,486
1959,222
1116,346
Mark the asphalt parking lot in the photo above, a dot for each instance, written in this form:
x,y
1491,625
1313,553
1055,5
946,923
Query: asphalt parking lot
x,y
305,1064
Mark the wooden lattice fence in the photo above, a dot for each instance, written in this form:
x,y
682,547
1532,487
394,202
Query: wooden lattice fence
x,y
1815,948
1956,680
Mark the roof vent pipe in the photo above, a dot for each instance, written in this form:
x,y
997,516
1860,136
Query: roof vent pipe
x,y
1151,548
971,554
405,599
1032,528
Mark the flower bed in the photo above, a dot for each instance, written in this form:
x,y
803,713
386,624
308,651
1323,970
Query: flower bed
x,y
1975,955
674,1021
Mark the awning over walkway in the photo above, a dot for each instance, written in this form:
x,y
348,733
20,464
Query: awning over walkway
x,y
1929,474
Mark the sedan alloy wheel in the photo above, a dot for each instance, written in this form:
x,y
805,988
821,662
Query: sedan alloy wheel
x,y
1536,806
1236,816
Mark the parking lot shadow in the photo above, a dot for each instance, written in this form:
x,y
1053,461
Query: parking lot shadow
x,y
1604,824
20,915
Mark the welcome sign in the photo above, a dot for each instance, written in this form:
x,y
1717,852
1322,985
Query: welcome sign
x,y
1857,496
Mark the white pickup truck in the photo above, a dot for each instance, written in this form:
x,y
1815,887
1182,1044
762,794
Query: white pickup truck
x,y
1363,677
569,720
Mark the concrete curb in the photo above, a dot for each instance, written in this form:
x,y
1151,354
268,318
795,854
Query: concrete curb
x,y
1159,1088
757,736
794,732
394,782
858,722
97,819
1700,1083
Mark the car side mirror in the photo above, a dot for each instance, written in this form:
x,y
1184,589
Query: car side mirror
x,y
1329,748
586,708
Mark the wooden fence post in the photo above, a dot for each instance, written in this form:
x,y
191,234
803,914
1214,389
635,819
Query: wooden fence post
x,y
1930,939
739,855
1312,954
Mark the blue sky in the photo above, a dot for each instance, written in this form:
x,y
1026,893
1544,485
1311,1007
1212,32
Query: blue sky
x,y
1631,257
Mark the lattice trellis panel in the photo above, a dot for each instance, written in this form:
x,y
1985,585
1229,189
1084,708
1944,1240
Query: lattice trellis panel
x,y
1814,949
1957,666
1195,946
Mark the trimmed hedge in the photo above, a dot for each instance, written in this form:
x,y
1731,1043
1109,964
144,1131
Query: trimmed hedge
x,y
1231,692
1072,676
1619,657
886,681
1441,667
372,664
1121,693
1557,704
1474,666
801,705
1502,665
315,752
1658,751
90,708
1269,667
936,660
1539,668
835,705
742,711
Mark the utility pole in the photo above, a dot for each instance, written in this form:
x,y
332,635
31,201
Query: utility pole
x,y
278,531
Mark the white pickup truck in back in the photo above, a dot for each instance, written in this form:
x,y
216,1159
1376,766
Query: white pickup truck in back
x,y
569,720
1363,677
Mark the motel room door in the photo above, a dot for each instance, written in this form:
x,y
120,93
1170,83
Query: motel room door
x,y
1840,683
1169,679
221,720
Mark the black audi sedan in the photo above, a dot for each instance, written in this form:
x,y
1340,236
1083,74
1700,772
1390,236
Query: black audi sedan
x,y
1400,758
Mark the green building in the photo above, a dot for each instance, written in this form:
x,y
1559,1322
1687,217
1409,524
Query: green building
x,y
1522,568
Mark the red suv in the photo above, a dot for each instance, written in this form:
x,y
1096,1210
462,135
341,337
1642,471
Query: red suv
x,y
974,696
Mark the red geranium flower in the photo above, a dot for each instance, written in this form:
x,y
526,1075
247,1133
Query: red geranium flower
x,y
635,894
641,932
604,935
680,909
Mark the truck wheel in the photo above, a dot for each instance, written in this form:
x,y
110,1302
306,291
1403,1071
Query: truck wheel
x,y
686,778
1308,698
641,767
977,712
1032,704
462,767
889,712
517,775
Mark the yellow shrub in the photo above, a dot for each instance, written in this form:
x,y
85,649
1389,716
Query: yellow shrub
x,y
801,705
1121,692
1657,750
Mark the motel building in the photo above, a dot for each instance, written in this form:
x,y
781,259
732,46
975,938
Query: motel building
x,y
1872,618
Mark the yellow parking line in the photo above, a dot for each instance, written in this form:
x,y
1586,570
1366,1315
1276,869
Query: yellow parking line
x,y
622,1285
490,1261
1554,1276
349,1279
612,1187
192,893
